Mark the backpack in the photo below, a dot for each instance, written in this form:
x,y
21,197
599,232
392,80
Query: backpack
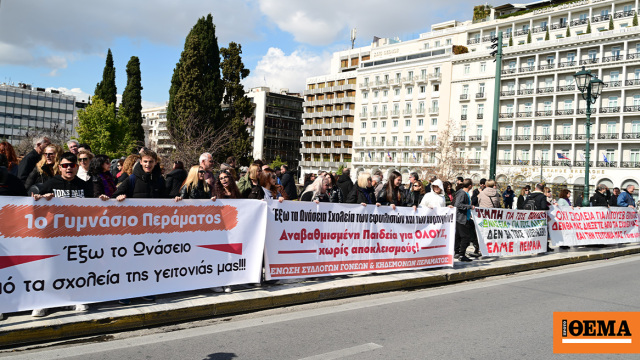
x,y
529,204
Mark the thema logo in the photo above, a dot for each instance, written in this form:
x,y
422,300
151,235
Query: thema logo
x,y
595,332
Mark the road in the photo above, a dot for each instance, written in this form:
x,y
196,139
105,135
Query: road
x,y
507,317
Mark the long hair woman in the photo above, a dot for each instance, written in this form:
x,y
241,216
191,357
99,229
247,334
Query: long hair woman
x,y
195,185
100,173
268,181
127,168
46,168
317,191
392,194
255,190
225,187
363,192
7,149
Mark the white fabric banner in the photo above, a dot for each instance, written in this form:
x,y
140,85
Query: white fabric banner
x,y
504,232
592,225
305,239
78,251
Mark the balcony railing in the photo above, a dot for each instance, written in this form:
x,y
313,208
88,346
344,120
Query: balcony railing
x,y
506,115
544,113
545,90
542,137
504,162
480,116
504,138
434,111
537,162
584,136
607,164
473,161
632,82
508,93
558,26
610,109
561,163
525,92
622,14
630,164
632,108
613,58
473,41
475,138
562,137
582,163
463,117
464,97
589,61
521,32
611,84
567,64
579,22
521,114
564,112
598,18
608,136
566,88
584,110
538,29
546,66
509,71
435,76
523,137
458,138
527,68
522,162
480,95
631,135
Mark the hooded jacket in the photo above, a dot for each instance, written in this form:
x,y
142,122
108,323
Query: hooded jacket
x,y
433,200
61,188
145,185
489,198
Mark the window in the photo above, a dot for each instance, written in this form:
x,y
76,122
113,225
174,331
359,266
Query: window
x,y
483,67
479,130
407,123
478,153
434,122
394,140
433,139
571,57
548,82
419,138
396,109
637,74
448,41
374,124
550,59
436,87
610,154
421,107
464,109
362,140
545,155
547,106
375,94
437,43
467,69
383,124
432,157
593,54
508,131
510,109
604,12
530,62
366,81
615,51
463,130
462,154
385,93
635,155
410,90
407,108
398,78
525,155
528,85
423,89
543,24
613,101
611,127
375,110
584,16
511,86
636,100
568,104
507,154
527,107
526,130
365,95
568,80
395,124
480,109
465,89
566,129
396,91
384,109
512,65
364,111
407,140
481,88
614,75
436,71
426,45
363,125
545,129
420,122
627,8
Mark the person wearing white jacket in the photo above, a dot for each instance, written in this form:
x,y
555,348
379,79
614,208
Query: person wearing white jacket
x,y
434,198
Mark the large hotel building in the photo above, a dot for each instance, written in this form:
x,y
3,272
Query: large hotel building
x,y
427,105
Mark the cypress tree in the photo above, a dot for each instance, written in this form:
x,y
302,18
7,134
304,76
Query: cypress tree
x,y
131,106
546,36
510,40
239,106
529,37
588,27
196,88
106,89
568,34
635,19
611,22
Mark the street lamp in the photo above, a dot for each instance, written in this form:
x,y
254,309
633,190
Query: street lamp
x,y
590,87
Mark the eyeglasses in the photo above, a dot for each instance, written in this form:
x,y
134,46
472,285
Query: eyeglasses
x,y
68,165
274,177
201,171
223,177
83,159
50,154
416,185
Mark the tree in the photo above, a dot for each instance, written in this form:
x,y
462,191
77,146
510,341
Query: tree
x,y
106,89
340,170
239,107
546,36
610,22
131,106
568,34
277,162
588,27
192,141
529,37
57,133
480,12
106,132
196,88
449,164
510,40
635,19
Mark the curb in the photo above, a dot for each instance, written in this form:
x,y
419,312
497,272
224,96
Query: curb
x,y
163,314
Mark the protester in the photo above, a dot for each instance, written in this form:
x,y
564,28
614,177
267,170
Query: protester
x,y
127,168
524,193
10,185
415,194
84,159
464,224
613,200
84,146
65,184
507,197
448,193
175,179
9,152
392,194
625,199
206,161
246,183
100,175
254,190
378,184
225,187
32,158
344,182
476,192
308,180
601,197
413,177
233,167
436,197
549,195
288,182
73,146
459,181
195,186
46,168
489,197
335,192
564,198
317,191
270,188
363,192
538,200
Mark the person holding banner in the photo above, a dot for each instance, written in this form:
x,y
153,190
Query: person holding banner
x,y
10,185
464,224
195,186
564,198
435,198
46,168
489,197
317,191
271,190
100,175
625,199
225,187
392,194
415,194
363,192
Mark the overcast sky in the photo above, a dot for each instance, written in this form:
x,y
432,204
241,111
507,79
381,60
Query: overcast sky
x,y
62,44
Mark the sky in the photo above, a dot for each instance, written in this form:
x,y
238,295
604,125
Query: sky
x,y
63,44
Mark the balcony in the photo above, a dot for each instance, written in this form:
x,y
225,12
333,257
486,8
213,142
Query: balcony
x,y
610,109
632,82
523,137
562,137
364,85
567,64
631,135
544,90
473,41
473,161
458,138
613,58
374,114
464,97
538,29
395,113
463,117
599,18
527,69
546,66
421,79
608,136
630,164
363,115
408,80
582,163
566,88
562,163
564,112
434,111
435,77
522,114
632,108
480,95
589,61
505,138
544,113
607,164
480,116
503,162
521,32
579,22
525,92
509,71
542,137
506,115
584,110
523,162
558,26
537,163
612,84
623,14
475,138
508,93
584,136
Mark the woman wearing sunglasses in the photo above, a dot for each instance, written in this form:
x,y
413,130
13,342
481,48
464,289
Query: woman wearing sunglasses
x,y
268,181
225,187
84,159
45,169
415,194
100,175
196,185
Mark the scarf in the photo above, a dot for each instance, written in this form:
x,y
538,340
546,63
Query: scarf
x,y
107,183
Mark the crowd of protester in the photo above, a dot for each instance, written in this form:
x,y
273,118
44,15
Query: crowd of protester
x,y
48,171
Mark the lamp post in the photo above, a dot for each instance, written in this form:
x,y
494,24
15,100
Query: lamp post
x,y
590,87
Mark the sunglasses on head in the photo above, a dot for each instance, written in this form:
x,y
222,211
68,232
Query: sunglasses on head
x,y
68,165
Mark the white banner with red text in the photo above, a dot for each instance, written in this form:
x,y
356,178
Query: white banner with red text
x,y
592,226
311,240
77,251
506,232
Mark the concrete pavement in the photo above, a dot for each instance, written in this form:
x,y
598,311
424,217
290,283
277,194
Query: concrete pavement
x,y
21,328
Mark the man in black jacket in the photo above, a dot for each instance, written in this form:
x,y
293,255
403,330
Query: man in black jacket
x,y
175,178
31,159
146,182
464,223
67,184
601,196
288,182
10,185
613,200
540,201
476,192
344,182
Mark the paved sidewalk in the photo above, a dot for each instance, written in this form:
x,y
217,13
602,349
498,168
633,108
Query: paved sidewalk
x,y
21,328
